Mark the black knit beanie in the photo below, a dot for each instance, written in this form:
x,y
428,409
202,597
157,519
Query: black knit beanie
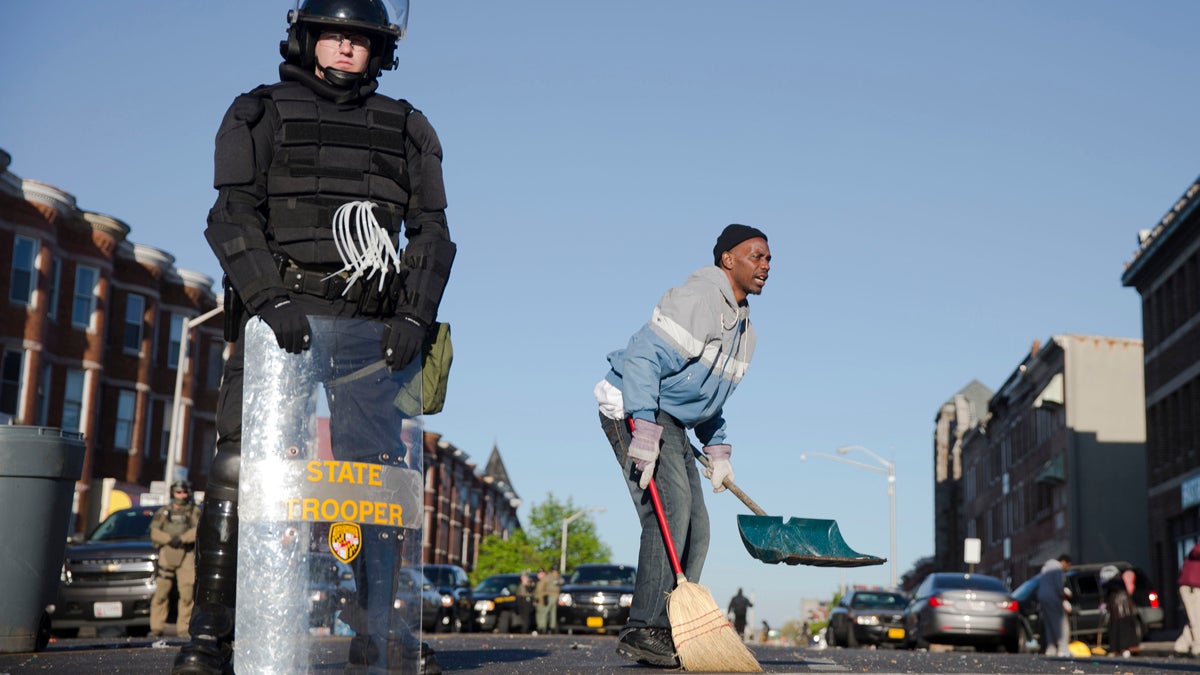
x,y
733,235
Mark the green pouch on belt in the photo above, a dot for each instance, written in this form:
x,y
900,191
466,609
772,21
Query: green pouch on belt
x,y
436,356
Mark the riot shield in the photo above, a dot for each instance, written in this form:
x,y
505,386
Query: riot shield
x,y
330,524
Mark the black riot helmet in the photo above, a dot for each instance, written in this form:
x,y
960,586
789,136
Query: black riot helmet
x,y
368,17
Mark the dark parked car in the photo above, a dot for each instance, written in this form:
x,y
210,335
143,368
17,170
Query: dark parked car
x,y
330,583
596,598
497,606
333,588
962,609
414,584
1085,619
867,617
452,582
107,581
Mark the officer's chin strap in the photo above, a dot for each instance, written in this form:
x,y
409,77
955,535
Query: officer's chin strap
x,y
364,246
323,88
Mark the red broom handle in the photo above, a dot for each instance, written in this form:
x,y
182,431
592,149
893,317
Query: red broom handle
x,y
662,519
662,525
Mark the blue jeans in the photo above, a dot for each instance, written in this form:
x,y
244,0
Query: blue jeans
x,y
682,495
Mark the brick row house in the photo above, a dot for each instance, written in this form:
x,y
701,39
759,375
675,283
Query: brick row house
x,y
91,330
91,326
1057,465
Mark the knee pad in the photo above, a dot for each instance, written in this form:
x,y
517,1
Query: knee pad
x,y
223,474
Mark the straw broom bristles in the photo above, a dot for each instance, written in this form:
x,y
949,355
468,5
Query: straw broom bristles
x,y
704,639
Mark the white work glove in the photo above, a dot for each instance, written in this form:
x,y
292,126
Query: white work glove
x,y
644,449
718,468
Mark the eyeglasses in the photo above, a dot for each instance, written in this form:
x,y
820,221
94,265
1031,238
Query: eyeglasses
x,y
360,42
181,492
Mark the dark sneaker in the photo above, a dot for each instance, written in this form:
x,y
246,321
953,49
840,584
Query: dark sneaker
x,y
650,646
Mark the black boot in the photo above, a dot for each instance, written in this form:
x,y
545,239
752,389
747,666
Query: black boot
x,y
210,649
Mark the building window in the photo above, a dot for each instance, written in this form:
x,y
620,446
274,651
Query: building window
x,y
72,416
43,396
55,283
10,382
165,411
175,340
24,270
216,364
126,402
135,309
84,303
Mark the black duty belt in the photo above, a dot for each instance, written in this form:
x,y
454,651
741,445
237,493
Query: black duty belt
x,y
320,284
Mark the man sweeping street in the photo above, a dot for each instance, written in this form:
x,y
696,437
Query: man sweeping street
x,y
676,374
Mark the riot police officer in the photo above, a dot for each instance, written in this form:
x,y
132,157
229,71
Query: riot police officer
x,y
295,163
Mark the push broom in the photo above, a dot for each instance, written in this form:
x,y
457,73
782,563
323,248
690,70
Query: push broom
x,y
704,639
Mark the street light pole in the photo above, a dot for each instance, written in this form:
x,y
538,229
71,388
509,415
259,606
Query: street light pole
x,y
885,467
175,439
562,566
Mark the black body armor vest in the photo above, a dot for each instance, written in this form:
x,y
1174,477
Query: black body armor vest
x,y
328,154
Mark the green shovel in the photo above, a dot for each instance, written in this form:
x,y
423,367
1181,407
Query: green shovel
x,y
799,541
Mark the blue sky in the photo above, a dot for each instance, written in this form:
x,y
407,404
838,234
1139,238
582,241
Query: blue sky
x,y
942,182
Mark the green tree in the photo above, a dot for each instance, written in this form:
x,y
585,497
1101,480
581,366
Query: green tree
x,y
500,556
539,545
545,531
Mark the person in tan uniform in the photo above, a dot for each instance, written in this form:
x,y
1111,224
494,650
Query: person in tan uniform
x,y
173,531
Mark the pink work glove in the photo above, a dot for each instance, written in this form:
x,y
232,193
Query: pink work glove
x,y
718,468
644,449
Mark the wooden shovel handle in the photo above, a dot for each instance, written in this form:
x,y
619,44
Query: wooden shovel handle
x,y
731,486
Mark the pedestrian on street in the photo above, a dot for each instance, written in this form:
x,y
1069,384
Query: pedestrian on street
x,y
173,531
545,594
1122,614
738,606
1051,595
290,159
676,374
1189,595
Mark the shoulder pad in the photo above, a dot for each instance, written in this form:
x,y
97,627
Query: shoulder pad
x,y
248,108
422,133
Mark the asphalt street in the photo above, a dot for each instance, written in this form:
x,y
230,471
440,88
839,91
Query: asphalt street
x,y
595,655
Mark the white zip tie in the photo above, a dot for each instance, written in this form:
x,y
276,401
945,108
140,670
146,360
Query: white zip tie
x,y
363,245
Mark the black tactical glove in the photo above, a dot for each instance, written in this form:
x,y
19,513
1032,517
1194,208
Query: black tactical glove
x,y
402,340
175,542
289,322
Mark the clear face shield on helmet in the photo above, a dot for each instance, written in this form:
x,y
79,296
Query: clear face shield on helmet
x,y
397,11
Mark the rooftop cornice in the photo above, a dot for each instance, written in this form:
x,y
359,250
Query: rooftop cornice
x,y
42,193
106,224
149,255
1149,241
196,279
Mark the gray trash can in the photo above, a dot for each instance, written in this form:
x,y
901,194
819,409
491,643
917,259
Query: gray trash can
x,y
38,470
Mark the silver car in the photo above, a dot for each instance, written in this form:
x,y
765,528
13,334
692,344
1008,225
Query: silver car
x,y
962,609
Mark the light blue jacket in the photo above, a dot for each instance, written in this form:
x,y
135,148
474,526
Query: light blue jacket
x,y
690,356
